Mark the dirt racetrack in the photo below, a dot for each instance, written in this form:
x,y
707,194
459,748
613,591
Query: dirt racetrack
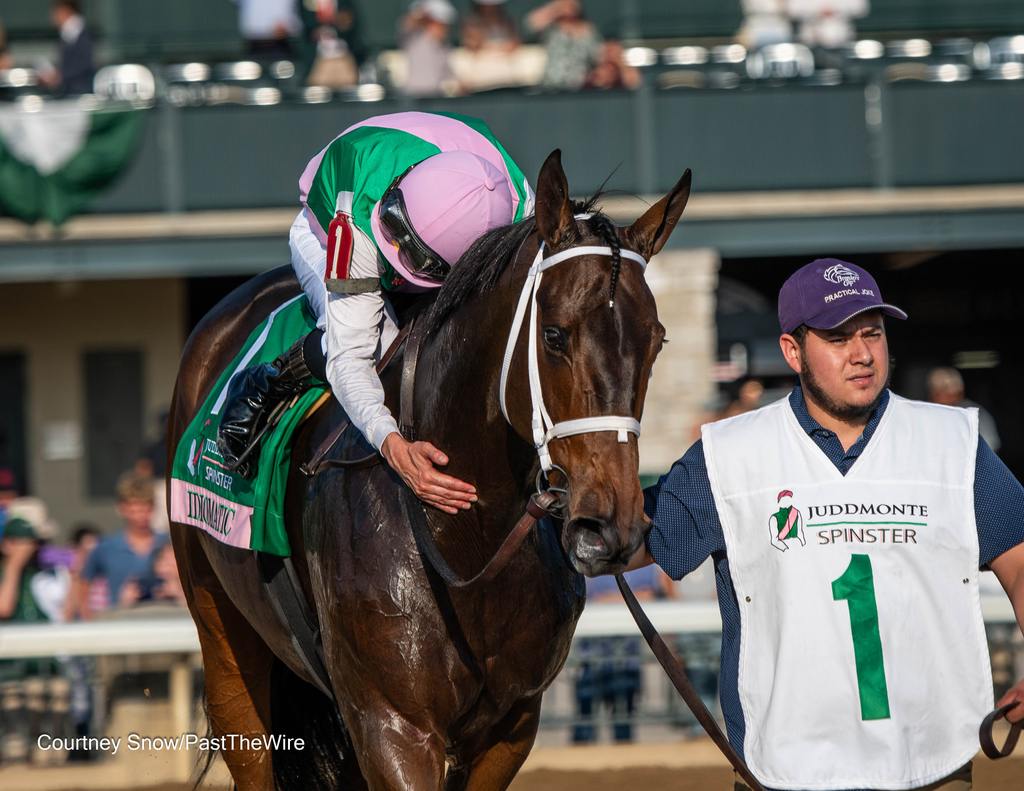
x,y
1007,776
988,777
681,766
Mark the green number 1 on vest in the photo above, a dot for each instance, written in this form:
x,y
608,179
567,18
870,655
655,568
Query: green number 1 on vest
x,y
857,587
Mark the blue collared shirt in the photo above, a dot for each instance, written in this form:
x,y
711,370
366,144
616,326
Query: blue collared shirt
x,y
687,530
114,560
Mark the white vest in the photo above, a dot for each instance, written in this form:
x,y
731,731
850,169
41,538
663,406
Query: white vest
x,y
863,658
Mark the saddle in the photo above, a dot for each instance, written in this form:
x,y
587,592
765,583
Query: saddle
x,y
344,446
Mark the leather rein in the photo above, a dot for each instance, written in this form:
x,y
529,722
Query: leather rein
x,y
988,744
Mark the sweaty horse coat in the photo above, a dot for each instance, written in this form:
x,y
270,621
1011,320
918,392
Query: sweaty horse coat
x,y
425,675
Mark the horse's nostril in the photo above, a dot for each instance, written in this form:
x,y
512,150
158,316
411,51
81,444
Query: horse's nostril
x,y
591,537
586,523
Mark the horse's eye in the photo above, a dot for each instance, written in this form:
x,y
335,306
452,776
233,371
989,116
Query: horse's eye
x,y
555,339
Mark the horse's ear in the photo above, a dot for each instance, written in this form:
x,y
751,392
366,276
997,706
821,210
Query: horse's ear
x,y
553,211
649,234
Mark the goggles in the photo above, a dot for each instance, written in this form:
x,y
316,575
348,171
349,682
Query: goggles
x,y
413,252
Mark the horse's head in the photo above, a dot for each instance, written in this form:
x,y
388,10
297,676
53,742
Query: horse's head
x,y
596,337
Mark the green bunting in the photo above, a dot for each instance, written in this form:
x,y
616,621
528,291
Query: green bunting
x,y
40,182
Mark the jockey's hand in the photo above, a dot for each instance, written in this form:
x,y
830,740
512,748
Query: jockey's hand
x,y
415,461
1015,693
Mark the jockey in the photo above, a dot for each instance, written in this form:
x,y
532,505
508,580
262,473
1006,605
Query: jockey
x,y
389,205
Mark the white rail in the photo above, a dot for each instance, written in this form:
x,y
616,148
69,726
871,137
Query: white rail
x,y
176,633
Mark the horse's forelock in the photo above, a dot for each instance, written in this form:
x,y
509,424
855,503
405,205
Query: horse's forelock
x,y
477,271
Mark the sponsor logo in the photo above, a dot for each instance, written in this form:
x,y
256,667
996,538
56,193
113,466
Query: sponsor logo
x,y
841,275
786,525
867,509
867,523
193,457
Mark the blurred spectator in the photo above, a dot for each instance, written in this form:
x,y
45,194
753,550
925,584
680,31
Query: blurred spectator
x,y
76,67
765,22
746,396
35,698
611,71
333,41
572,43
424,34
827,23
164,586
167,588
491,55
609,672
84,539
125,559
268,27
79,669
19,565
6,61
24,599
488,26
50,589
946,386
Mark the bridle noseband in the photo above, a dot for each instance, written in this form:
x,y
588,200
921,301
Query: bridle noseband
x,y
543,427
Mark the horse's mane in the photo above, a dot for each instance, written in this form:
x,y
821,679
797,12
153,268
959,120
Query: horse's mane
x,y
479,268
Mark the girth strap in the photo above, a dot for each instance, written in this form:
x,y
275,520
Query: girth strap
x,y
673,667
289,604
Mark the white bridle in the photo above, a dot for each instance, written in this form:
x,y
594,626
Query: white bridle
x,y
544,429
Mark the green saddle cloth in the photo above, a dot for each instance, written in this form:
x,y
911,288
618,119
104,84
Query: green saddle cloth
x,y
239,512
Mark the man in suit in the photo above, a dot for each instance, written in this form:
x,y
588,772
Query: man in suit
x,y
76,68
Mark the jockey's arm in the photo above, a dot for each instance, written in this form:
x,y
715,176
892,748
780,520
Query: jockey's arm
x,y
355,324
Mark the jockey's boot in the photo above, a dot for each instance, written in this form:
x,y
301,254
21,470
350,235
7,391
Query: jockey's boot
x,y
254,393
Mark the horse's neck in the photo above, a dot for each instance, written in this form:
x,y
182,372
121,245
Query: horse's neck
x,y
458,411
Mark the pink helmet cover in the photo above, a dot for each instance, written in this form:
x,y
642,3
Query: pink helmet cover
x,y
452,198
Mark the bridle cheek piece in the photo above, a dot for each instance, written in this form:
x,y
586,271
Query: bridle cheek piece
x,y
544,428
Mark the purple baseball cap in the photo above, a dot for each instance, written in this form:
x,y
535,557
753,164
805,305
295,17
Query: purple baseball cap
x,y
828,292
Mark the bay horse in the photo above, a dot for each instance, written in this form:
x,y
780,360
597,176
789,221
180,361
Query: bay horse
x,y
438,687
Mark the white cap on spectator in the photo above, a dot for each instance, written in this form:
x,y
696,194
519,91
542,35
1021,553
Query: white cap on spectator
x,y
34,511
438,10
